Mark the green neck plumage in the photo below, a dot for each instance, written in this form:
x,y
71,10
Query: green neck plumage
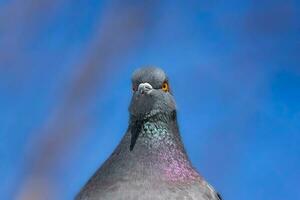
x,y
163,120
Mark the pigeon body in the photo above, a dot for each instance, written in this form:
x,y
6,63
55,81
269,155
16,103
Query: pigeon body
x,y
150,163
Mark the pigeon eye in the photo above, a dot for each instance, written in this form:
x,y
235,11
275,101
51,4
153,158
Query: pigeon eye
x,y
165,87
134,88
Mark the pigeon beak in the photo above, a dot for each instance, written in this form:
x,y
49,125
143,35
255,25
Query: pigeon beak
x,y
145,88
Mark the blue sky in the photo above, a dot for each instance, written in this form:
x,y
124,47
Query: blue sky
x,y
65,70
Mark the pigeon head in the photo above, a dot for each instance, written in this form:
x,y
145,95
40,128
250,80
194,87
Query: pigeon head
x,y
151,93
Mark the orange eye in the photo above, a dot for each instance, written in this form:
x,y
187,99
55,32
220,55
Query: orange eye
x,y
165,87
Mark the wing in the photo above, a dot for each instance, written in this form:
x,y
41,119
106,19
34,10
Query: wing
x,y
219,196
214,195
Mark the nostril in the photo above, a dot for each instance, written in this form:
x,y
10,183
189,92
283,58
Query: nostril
x,y
148,87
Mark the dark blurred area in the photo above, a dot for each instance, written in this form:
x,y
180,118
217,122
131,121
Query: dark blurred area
x,y
65,70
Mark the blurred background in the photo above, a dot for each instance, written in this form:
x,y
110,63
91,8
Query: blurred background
x,y
65,69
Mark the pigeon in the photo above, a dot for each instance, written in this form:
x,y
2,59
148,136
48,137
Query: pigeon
x,y
150,162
